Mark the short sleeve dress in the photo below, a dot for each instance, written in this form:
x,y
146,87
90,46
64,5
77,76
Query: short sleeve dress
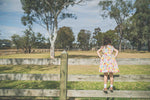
x,y
108,62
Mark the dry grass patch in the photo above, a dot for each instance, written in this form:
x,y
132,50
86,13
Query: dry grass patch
x,y
77,54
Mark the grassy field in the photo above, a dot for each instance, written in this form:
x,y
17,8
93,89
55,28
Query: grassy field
x,y
78,54
73,69
73,85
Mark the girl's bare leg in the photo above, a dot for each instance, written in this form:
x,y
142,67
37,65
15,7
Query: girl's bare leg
x,y
105,81
111,80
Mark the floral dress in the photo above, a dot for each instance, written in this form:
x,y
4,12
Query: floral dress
x,y
108,62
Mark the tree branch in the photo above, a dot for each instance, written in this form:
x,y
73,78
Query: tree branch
x,y
67,4
49,6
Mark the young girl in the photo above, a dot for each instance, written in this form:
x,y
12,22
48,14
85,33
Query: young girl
x,y
108,62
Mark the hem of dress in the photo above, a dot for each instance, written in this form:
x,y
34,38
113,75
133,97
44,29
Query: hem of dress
x,y
109,71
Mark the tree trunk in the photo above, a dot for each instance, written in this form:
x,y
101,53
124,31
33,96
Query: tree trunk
x,y
121,36
29,49
120,45
148,45
52,41
52,50
139,45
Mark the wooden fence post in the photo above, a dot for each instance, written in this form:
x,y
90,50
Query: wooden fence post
x,y
63,75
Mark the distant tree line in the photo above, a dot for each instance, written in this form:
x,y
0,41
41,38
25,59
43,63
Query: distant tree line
x,y
29,40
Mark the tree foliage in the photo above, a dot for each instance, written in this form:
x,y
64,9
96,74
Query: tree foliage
x,y
40,41
65,38
17,41
84,39
99,37
29,40
113,36
141,23
118,10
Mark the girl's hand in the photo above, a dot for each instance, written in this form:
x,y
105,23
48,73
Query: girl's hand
x,y
99,51
116,52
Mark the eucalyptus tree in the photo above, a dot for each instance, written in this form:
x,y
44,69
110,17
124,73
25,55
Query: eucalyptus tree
x,y
119,10
98,37
65,38
47,13
112,34
16,39
84,39
28,40
40,41
141,23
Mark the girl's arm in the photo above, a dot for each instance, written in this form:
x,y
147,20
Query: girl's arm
x,y
116,52
99,51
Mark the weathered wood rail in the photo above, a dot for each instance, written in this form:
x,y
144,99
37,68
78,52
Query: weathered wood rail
x,y
74,93
56,77
72,61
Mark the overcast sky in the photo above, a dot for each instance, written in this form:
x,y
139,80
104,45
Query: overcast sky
x,y
88,17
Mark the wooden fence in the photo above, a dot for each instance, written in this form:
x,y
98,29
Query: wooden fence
x,y
63,77
71,61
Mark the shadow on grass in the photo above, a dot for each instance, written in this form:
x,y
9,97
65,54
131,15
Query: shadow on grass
x,y
26,68
109,77
29,84
2,69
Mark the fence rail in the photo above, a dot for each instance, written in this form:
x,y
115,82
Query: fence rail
x,y
72,61
56,77
74,93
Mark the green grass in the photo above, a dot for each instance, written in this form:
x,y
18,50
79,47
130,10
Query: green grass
x,y
73,85
73,69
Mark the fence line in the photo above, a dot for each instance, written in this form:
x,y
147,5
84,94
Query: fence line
x,y
74,93
72,61
63,93
56,77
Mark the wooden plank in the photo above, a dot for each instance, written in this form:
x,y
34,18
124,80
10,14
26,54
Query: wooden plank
x,y
75,93
44,77
117,78
29,92
72,61
116,93
56,77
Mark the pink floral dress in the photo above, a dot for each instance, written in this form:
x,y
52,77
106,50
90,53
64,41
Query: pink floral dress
x,y
108,62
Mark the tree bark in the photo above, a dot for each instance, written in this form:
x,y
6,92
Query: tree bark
x,y
121,34
52,50
53,39
120,45
148,45
139,45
